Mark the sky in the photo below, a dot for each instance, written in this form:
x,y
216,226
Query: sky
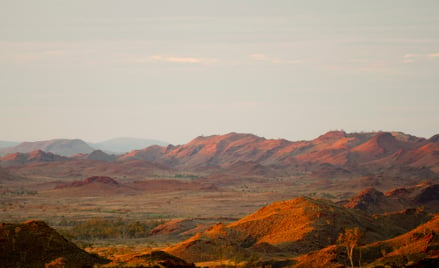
x,y
174,70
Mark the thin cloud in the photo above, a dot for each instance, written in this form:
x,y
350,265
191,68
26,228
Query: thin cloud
x,y
359,66
265,58
260,57
174,59
184,60
54,52
409,58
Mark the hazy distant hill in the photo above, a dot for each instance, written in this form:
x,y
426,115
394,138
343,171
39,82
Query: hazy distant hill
x,y
123,145
16,159
331,155
97,155
5,144
63,147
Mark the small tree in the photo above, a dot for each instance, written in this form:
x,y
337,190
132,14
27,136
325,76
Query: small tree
x,y
349,239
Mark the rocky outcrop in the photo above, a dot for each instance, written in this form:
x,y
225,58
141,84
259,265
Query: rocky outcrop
x,y
35,244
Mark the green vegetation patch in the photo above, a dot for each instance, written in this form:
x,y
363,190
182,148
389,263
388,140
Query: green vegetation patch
x,y
101,228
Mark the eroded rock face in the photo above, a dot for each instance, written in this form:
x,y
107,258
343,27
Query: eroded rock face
x,y
430,193
373,201
367,200
35,244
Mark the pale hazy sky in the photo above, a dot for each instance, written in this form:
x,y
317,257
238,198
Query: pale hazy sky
x,y
173,70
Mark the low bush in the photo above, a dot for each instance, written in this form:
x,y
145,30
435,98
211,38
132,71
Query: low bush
x,y
101,228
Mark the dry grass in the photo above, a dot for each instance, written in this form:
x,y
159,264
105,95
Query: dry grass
x,y
153,193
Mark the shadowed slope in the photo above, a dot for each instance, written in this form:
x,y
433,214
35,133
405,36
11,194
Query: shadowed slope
x,y
92,186
34,244
416,248
373,201
159,259
421,245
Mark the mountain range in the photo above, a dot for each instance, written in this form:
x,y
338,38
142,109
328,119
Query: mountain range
x,y
123,145
5,144
63,147
334,148
332,154
221,175
69,147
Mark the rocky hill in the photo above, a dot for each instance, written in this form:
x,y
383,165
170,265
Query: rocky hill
x,y
351,151
92,186
158,258
63,147
16,159
417,248
124,145
295,227
34,244
374,201
97,155
334,154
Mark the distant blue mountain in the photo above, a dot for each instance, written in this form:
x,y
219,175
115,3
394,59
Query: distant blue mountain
x,y
123,145
64,147
5,144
